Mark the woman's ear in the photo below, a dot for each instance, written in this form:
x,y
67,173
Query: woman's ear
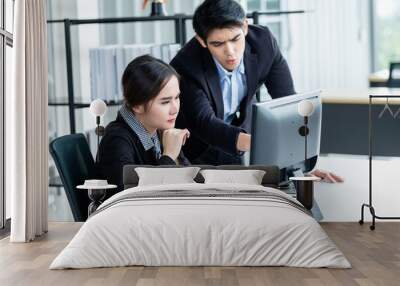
x,y
201,41
138,109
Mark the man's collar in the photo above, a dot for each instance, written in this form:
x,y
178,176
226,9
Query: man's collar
x,y
148,141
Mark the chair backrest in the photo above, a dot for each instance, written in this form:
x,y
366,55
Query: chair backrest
x,y
75,164
394,69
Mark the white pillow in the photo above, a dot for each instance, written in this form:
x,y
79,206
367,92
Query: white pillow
x,y
248,177
162,176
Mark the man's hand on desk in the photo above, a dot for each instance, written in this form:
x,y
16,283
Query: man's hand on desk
x,y
327,176
243,142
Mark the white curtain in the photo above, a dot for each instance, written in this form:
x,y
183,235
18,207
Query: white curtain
x,y
26,124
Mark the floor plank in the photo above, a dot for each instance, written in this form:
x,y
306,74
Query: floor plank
x,y
374,255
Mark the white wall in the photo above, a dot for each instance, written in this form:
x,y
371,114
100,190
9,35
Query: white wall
x,y
329,45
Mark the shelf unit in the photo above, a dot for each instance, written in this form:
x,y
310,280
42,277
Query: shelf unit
x,y
180,38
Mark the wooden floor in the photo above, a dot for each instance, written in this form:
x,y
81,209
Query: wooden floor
x,y
374,255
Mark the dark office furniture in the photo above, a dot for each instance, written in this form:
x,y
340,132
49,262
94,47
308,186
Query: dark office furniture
x,y
394,81
75,164
385,78
344,127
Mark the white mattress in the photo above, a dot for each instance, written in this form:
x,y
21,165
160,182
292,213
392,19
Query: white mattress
x,y
184,230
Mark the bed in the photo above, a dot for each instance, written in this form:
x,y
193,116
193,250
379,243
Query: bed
x,y
201,224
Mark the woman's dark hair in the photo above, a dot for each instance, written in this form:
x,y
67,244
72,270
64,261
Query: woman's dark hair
x,y
217,14
144,78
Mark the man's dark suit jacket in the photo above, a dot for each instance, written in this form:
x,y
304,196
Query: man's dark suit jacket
x,y
212,140
121,146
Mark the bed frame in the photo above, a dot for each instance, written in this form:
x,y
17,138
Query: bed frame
x,y
270,179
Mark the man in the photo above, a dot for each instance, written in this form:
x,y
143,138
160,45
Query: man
x,y
221,68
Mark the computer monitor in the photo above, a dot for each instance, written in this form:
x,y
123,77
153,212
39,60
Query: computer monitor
x,y
275,137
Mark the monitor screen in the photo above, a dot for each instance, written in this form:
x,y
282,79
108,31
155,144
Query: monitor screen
x,y
275,137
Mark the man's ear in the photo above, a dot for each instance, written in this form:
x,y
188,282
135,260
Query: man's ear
x,y
201,41
245,26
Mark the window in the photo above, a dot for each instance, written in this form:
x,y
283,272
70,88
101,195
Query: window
x,y
263,5
6,43
274,23
386,33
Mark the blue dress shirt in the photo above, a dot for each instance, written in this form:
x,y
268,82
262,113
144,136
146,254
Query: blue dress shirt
x,y
233,87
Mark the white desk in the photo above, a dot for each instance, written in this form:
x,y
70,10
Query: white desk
x,y
342,202
358,96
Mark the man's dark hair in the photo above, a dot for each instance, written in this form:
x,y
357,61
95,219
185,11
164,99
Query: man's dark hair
x,y
144,78
217,14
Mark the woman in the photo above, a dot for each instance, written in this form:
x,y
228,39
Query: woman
x,y
144,133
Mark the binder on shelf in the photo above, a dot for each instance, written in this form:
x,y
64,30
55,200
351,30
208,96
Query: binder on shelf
x,y
145,49
174,49
156,51
110,72
93,84
120,67
165,53
107,64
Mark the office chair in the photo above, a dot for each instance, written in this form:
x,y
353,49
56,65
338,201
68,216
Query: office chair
x,y
394,81
75,164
